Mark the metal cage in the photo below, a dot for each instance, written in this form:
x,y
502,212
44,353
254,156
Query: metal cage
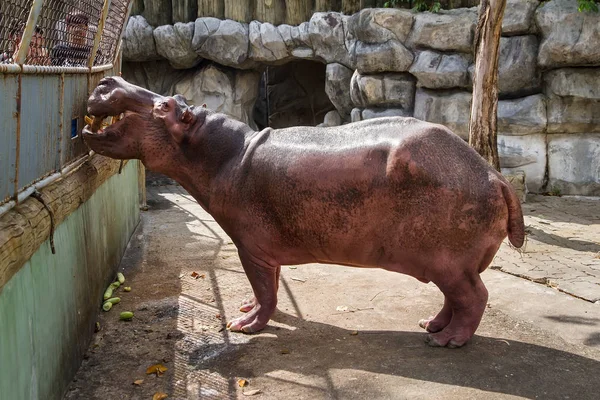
x,y
52,55
60,33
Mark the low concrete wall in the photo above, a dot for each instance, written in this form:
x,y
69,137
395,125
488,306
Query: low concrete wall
x,y
48,308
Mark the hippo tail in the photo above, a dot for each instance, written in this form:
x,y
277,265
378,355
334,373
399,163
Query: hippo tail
x,y
516,225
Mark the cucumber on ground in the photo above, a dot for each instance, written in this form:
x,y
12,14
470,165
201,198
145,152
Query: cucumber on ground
x,y
126,315
108,293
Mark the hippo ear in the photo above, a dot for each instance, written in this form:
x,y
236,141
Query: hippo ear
x,y
204,105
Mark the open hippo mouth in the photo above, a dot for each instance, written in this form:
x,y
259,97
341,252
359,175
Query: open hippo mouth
x,y
98,125
126,120
119,113
113,102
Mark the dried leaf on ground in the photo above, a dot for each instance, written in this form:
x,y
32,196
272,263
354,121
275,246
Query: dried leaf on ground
x,y
285,351
354,333
252,392
242,382
157,369
159,396
138,382
196,275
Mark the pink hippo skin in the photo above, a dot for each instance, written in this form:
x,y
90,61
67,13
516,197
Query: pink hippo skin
x,y
393,193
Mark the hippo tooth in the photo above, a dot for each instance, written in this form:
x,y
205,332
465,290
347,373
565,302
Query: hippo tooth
x,y
96,124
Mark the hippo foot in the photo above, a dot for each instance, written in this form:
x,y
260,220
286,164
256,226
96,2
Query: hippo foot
x,y
433,325
447,339
248,304
255,320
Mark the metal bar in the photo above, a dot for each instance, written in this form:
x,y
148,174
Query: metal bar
x,y
61,113
18,134
10,68
48,69
43,183
142,185
99,32
36,9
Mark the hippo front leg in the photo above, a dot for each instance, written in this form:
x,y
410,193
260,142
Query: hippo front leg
x,y
249,303
264,279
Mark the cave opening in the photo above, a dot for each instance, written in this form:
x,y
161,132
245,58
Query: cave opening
x,y
292,94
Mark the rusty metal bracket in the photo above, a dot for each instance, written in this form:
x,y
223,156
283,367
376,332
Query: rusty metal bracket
x,y
61,116
38,196
18,134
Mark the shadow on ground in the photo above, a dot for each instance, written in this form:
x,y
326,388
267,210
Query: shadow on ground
x,y
554,209
557,240
593,339
488,364
306,351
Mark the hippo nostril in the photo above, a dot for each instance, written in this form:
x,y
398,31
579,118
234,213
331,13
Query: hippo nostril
x,y
106,81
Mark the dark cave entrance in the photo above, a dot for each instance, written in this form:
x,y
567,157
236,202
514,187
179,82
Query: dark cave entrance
x,y
292,94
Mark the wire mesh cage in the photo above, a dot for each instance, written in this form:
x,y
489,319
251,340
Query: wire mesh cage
x,y
64,33
111,34
13,18
70,28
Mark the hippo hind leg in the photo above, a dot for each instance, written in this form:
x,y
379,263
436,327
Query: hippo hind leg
x,y
264,279
467,300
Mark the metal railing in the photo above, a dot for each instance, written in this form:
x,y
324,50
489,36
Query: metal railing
x,y
52,54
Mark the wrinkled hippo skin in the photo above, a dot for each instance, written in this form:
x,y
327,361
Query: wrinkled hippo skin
x,y
393,193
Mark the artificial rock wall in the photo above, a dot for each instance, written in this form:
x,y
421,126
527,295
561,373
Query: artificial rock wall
x,y
395,62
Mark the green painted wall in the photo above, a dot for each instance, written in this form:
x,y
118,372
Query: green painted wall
x,y
48,309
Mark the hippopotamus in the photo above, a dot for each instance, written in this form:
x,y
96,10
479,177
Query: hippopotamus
x,y
394,193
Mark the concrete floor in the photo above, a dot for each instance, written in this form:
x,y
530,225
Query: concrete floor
x,y
563,246
339,332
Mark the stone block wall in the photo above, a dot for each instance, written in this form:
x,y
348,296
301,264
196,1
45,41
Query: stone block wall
x,y
384,62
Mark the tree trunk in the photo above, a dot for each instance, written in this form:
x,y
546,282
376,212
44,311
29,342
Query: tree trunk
x,y
327,5
237,10
272,11
158,13
350,7
297,11
185,10
484,107
211,8
138,7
